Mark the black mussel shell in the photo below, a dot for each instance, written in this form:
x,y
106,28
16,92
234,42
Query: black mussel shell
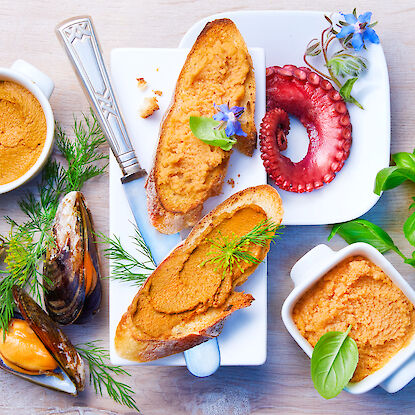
x,y
67,263
70,376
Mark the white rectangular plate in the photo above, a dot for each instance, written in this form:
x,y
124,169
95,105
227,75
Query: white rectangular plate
x,y
243,339
284,36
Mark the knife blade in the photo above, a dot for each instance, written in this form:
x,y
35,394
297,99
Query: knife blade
x,y
81,44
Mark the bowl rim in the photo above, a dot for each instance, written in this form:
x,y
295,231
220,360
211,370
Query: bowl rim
x,y
7,74
368,251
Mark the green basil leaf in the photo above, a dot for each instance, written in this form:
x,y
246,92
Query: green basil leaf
x,y
361,230
333,362
409,229
405,160
204,129
388,178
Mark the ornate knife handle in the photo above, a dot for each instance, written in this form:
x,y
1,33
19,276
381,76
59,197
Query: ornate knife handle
x,y
81,44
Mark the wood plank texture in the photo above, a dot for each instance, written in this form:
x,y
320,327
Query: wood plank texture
x,y
283,384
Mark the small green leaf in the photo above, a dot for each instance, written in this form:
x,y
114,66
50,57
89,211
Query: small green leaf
x,y
205,129
361,230
333,362
409,229
391,177
346,90
404,160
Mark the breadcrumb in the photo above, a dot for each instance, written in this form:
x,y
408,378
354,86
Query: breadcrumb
x,y
149,106
159,93
141,83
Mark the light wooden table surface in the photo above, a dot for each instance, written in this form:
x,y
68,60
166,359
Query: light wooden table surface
x,y
283,384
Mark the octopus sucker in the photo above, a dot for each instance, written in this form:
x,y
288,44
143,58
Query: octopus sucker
x,y
320,108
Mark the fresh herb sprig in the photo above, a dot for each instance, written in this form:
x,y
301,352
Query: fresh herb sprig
x,y
230,251
360,230
26,243
333,362
344,63
101,374
126,267
81,154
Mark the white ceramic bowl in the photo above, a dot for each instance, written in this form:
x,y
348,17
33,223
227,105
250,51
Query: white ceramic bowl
x,y
400,369
41,86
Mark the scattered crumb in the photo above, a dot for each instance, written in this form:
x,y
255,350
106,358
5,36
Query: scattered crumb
x,y
141,83
231,182
148,107
159,93
157,69
239,175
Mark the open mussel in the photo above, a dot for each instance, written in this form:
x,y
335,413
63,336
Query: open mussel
x,y
71,270
35,349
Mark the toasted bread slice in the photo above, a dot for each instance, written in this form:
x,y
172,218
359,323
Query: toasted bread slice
x,y
186,172
186,299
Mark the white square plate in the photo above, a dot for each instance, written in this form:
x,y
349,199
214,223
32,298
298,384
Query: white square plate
x,y
243,339
284,36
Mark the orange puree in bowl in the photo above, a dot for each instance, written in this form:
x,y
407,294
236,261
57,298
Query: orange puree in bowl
x,y
357,292
22,131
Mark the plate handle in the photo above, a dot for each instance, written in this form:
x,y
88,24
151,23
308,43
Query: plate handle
x,y
35,75
81,45
313,260
401,377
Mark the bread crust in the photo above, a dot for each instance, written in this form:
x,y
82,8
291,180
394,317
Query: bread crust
x,y
131,344
171,220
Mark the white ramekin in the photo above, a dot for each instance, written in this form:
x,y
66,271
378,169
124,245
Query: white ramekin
x,y
400,369
41,86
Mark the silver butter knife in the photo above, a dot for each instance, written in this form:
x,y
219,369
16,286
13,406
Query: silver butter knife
x,y
78,37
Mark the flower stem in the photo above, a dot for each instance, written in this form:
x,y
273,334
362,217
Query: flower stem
x,y
315,69
324,46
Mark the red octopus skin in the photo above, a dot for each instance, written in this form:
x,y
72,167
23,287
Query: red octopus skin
x,y
322,111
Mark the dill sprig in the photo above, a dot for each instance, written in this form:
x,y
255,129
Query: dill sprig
x,y
232,250
26,243
81,153
126,267
100,374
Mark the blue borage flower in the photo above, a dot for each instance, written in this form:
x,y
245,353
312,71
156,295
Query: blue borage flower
x,y
343,67
360,28
230,117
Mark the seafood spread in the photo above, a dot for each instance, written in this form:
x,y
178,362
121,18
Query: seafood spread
x,y
35,349
322,111
174,298
187,171
22,131
358,293
71,269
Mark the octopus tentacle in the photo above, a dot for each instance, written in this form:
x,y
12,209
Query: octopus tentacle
x,y
322,111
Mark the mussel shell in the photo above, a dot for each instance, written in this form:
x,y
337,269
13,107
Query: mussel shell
x,y
93,298
64,271
56,342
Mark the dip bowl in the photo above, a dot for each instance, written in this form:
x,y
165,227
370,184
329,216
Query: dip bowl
x,y
400,369
41,86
